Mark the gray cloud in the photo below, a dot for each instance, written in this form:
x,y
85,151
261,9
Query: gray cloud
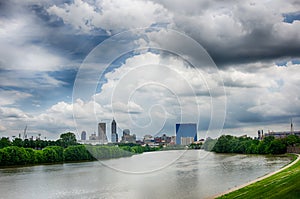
x,y
246,40
241,31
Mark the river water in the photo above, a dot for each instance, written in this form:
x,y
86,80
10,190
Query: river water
x,y
165,174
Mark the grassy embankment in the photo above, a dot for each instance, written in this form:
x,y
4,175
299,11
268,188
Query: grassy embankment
x,y
285,184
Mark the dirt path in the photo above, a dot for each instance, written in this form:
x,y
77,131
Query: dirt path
x,y
258,179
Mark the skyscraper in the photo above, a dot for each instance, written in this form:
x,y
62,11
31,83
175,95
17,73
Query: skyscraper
x,y
83,135
127,138
186,131
102,133
114,135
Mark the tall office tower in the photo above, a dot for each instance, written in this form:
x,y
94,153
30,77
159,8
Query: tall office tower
x,y
186,131
102,133
292,127
114,135
83,135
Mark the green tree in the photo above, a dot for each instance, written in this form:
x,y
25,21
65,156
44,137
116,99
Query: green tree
x,y
253,148
53,154
276,147
68,139
77,153
39,156
31,158
1,157
4,142
137,149
26,143
18,142
14,155
291,140
223,144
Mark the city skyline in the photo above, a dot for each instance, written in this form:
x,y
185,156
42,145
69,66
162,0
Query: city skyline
x,y
45,45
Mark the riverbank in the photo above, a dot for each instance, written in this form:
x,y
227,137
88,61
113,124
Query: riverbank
x,y
20,156
14,156
283,183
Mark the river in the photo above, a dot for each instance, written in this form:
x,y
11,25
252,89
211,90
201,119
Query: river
x,y
165,174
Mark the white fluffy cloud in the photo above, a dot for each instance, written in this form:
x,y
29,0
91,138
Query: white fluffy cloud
x,y
262,95
18,52
145,98
281,97
111,15
149,93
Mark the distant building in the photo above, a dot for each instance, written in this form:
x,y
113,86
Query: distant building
x,y
83,135
126,132
127,138
140,142
114,135
165,139
102,133
93,137
162,140
157,140
173,140
186,140
114,138
282,134
148,139
186,130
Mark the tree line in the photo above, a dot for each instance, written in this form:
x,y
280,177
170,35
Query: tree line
x,y
65,149
13,155
247,145
65,140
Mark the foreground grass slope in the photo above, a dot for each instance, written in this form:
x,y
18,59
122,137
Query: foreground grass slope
x,y
285,184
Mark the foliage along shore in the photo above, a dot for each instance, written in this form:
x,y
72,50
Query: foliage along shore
x,y
18,156
248,145
66,149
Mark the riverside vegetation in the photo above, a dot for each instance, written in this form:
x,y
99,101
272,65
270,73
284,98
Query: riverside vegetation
x,y
65,149
247,145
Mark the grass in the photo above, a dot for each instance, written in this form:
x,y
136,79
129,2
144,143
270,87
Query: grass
x,y
285,184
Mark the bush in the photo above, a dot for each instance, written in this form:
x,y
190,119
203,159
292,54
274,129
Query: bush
x,y
53,154
14,155
269,145
77,153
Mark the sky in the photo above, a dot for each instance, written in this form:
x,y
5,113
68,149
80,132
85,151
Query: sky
x,y
232,67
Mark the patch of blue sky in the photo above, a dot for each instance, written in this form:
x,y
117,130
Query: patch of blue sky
x,y
159,25
291,17
45,94
281,63
295,61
